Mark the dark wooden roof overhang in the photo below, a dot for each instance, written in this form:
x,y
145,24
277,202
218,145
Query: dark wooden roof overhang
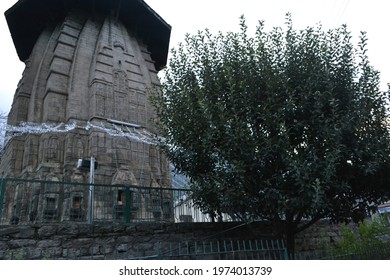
x,y
28,18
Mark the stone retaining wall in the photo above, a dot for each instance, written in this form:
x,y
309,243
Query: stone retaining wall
x,y
113,241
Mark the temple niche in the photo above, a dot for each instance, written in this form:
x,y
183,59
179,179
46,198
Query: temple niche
x,y
84,93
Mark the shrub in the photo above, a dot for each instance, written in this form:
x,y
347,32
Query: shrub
x,y
368,242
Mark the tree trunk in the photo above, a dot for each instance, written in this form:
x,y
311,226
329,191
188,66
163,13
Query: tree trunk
x,y
290,240
290,236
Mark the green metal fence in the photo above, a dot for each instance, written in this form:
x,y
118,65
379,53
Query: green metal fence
x,y
189,250
366,252
221,250
33,201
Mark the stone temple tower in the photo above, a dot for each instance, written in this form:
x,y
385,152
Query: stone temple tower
x,y
84,92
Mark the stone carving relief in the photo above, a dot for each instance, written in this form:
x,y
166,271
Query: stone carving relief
x,y
120,81
121,96
50,149
124,176
103,96
29,155
78,148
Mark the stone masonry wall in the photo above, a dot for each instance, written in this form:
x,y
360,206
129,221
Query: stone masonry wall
x,y
116,241
85,93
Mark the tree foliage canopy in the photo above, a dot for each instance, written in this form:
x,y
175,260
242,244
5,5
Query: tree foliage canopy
x,y
287,125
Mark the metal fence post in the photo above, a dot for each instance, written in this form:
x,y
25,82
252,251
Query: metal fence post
x,y
2,191
127,205
91,190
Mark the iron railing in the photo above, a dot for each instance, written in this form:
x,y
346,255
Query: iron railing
x,y
364,252
188,250
33,201
221,250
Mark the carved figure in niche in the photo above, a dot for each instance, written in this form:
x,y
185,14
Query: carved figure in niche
x,y
121,95
78,149
123,176
51,149
101,94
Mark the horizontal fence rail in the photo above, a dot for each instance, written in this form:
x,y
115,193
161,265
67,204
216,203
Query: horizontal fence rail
x,y
32,201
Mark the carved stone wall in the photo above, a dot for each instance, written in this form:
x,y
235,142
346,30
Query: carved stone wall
x,y
85,69
84,93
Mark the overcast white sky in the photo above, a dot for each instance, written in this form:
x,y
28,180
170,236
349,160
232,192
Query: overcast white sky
x,y
188,16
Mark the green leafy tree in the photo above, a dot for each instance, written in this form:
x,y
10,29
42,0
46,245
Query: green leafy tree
x,y
287,126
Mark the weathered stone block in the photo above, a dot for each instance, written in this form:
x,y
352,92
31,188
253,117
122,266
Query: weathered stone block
x,y
8,230
85,229
24,232
54,107
20,243
103,229
3,246
64,50
48,244
125,239
67,40
61,65
68,229
70,30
